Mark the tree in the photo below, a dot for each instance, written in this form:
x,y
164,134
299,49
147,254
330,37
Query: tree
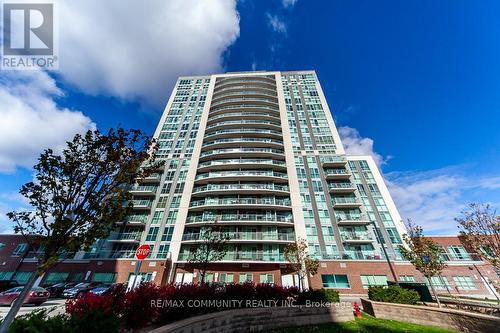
x,y
423,253
79,195
211,248
305,266
480,230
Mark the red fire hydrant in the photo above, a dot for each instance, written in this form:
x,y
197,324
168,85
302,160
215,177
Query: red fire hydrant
x,y
357,310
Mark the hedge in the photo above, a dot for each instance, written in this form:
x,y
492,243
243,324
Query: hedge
x,y
393,294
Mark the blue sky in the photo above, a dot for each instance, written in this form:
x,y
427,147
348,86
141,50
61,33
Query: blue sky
x,y
415,83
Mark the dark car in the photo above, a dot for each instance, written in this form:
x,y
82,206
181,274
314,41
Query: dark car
x,y
80,289
36,296
8,284
56,290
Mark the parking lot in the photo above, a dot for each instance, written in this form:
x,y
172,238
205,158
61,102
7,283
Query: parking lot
x,y
57,304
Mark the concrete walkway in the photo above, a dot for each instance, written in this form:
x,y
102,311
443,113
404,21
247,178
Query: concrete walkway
x,y
57,304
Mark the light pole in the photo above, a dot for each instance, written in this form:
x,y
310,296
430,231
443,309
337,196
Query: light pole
x,y
382,243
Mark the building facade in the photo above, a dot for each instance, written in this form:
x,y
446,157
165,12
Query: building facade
x,y
259,154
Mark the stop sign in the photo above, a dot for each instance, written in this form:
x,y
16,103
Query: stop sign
x,y
142,251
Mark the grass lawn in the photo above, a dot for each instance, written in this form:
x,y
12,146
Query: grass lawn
x,y
367,324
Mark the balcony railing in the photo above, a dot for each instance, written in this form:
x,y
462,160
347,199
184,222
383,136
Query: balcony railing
x,y
240,217
243,130
243,256
243,122
337,171
241,150
247,87
241,201
243,99
246,91
242,140
142,203
231,173
218,86
246,236
335,186
221,187
131,236
356,236
241,161
348,218
245,114
345,200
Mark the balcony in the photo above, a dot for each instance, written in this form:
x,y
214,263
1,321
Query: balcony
x,y
334,161
346,219
144,190
242,132
246,124
249,175
333,174
352,255
244,91
243,151
247,236
345,202
152,178
231,203
242,162
244,256
241,218
342,187
260,101
242,142
142,204
355,237
126,237
239,188
273,117
254,82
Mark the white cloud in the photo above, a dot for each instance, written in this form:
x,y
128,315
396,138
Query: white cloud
x,y
355,144
276,23
135,50
289,3
10,202
31,120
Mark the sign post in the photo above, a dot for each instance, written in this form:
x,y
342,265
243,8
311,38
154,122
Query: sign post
x,y
140,254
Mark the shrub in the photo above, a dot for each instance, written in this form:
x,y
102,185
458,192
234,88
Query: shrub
x,y
266,291
242,291
89,302
38,321
318,295
137,308
393,294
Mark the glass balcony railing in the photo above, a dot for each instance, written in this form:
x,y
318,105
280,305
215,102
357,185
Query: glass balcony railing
x,y
241,89
352,217
143,188
221,85
243,256
241,201
244,99
221,187
335,186
246,114
231,173
246,236
333,159
132,236
256,131
241,161
355,236
345,200
243,122
337,171
242,140
246,91
351,255
241,150
142,203
240,217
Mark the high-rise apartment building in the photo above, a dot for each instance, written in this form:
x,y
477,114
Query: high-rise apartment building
x,y
259,153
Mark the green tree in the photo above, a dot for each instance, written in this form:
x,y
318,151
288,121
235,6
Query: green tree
x,y
78,196
480,229
296,253
423,253
211,248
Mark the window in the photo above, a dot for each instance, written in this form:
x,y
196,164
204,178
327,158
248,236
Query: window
x,y
226,278
439,282
152,233
373,280
407,278
245,278
2,245
6,275
22,277
104,277
464,282
458,252
20,249
335,281
56,277
266,278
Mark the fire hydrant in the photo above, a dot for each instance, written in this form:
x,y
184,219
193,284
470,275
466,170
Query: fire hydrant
x,y
357,310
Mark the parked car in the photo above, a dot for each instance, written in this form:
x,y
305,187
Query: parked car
x,y
36,296
8,284
102,290
56,290
80,289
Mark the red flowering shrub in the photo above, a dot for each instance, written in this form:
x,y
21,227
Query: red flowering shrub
x,y
89,302
138,309
242,291
266,291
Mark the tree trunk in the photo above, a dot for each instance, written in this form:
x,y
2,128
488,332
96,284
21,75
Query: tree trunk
x,y
18,303
433,292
